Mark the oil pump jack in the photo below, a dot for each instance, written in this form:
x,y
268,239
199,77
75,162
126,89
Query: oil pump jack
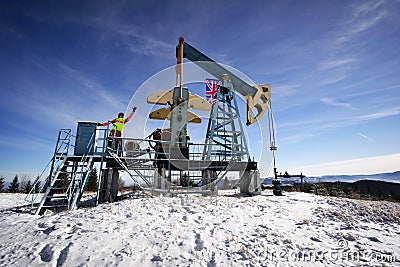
x,y
172,166
225,147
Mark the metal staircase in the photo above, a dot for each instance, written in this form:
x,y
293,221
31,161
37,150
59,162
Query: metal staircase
x,y
67,185
68,176
52,169
134,164
78,181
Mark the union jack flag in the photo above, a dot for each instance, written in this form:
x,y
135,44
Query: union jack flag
x,y
212,87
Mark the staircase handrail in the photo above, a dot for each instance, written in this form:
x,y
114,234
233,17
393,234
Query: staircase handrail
x,y
56,173
65,140
112,154
78,195
84,169
103,153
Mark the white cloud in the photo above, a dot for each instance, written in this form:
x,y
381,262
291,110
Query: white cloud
x,y
295,138
285,90
333,78
364,17
314,127
334,103
335,70
109,25
140,43
381,114
297,123
366,8
366,137
96,88
87,98
331,64
41,108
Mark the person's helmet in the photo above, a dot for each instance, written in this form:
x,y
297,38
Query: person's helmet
x,y
121,114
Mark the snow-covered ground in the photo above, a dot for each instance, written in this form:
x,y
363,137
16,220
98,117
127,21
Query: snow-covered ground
x,y
294,230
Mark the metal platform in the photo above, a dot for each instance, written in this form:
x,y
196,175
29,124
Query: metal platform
x,y
170,170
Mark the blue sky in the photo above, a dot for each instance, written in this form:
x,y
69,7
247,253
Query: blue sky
x,y
333,67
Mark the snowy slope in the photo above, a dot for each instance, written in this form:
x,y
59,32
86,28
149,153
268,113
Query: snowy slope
x,y
295,230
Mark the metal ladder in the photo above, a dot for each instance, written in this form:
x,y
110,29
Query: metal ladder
x,y
67,185
66,181
53,168
78,181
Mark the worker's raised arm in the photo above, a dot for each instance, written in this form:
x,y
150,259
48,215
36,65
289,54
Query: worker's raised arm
x,y
130,115
105,123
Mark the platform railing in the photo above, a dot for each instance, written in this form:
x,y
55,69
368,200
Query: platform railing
x,y
195,150
145,152
81,174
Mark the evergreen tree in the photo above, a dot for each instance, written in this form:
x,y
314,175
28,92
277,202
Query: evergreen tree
x,y
92,183
45,185
22,184
27,188
37,184
379,193
63,183
1,184
14,186
368,190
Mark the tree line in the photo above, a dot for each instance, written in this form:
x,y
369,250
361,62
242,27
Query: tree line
x,y
24,184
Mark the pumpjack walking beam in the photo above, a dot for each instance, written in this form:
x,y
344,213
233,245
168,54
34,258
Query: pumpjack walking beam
x,y
257,103
257,96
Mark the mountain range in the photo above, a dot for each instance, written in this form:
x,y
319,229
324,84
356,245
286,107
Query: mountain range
x,y
393,177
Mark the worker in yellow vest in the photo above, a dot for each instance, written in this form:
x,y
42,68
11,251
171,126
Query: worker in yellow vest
x,y
118,125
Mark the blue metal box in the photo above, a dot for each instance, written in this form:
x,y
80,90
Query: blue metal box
x,y
85,138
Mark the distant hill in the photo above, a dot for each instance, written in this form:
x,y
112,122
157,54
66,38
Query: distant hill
x,y
373,186
393,177
378,188
364,189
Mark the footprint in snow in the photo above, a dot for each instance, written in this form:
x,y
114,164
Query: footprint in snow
x,y
212,262
46,254
50,229
42,225
315,239
199,243
63,255
212,231
157,258
374,239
